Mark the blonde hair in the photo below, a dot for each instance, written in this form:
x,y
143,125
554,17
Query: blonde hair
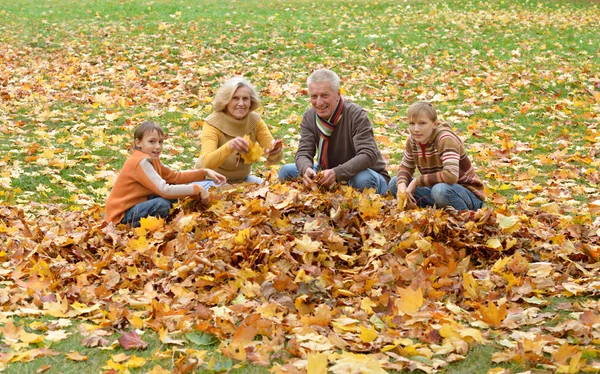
x,y
325,75
422,107
227,90
146,127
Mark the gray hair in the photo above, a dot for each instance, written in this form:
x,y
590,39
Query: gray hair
x,y
227,90
325,75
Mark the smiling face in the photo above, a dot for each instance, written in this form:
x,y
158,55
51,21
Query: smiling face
x,y
421,127
323,98
239,105
151,144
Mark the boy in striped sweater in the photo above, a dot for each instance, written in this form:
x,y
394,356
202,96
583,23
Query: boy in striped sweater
x,y
447,178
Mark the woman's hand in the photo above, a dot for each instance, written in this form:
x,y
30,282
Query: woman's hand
x,y
239,144
218,178
276,147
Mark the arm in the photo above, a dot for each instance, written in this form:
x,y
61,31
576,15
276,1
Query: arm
x,y
307,147
146,175
407,165
363,141
449,148
212,155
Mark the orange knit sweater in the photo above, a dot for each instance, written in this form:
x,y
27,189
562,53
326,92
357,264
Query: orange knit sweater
x,y
142,177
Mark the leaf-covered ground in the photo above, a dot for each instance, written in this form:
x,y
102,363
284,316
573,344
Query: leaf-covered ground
x,y
278,276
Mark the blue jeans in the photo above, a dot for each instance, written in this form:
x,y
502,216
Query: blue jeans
x,y
155,206
210,183
442,195
365,179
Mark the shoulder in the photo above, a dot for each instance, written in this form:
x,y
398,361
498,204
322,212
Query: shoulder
x,y
354,109
445,136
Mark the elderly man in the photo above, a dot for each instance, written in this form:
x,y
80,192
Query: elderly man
x,y
341,136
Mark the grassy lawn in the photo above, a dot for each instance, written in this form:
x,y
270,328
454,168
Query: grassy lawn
x,y
518,80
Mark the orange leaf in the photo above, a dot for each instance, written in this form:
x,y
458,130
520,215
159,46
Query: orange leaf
x,y
492,315
410,300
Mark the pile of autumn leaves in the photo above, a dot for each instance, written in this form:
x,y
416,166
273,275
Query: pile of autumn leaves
x,y
298,279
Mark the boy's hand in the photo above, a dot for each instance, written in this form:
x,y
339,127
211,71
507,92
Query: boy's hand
x,y
204,195
218,178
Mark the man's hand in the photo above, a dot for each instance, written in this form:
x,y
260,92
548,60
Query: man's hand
x,y
308,176
218,178
239,144
328,178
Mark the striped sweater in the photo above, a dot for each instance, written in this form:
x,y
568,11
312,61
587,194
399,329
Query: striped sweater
x,y
442,160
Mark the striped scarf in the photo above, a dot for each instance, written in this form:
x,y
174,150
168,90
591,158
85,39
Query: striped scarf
x,y
326,128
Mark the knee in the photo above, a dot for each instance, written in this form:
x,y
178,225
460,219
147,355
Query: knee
x,y
162,208
440,193
286,172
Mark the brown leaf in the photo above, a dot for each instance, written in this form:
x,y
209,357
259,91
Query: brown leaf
x,y
132,340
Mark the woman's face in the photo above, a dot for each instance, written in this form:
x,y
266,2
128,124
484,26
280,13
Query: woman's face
x,y
239,106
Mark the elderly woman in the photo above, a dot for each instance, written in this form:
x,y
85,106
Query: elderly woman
x,y
224,129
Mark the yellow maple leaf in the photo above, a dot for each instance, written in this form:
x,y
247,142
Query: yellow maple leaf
x,y
508,224
402,200
367,335
410,300
317,363
254,153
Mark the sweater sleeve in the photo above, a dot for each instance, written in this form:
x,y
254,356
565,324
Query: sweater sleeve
x,y
212,155
407,165
307,147
264,138
364,143
146,174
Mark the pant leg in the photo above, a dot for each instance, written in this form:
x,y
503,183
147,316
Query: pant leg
x,y
392,187
422,194
253,179
369,179
287,172
423,197
155,206
456,196
206,184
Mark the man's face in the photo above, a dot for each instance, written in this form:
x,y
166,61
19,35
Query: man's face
x,y
323,98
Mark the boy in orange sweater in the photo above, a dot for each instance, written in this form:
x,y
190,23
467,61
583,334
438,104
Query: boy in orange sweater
x,y
448,179
145,186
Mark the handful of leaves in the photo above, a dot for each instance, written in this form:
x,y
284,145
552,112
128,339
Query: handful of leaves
x,y
318,178
402,200
254,151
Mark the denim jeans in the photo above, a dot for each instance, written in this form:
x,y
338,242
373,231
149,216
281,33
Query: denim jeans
x,y
365,179
442,195
210,183
155,206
